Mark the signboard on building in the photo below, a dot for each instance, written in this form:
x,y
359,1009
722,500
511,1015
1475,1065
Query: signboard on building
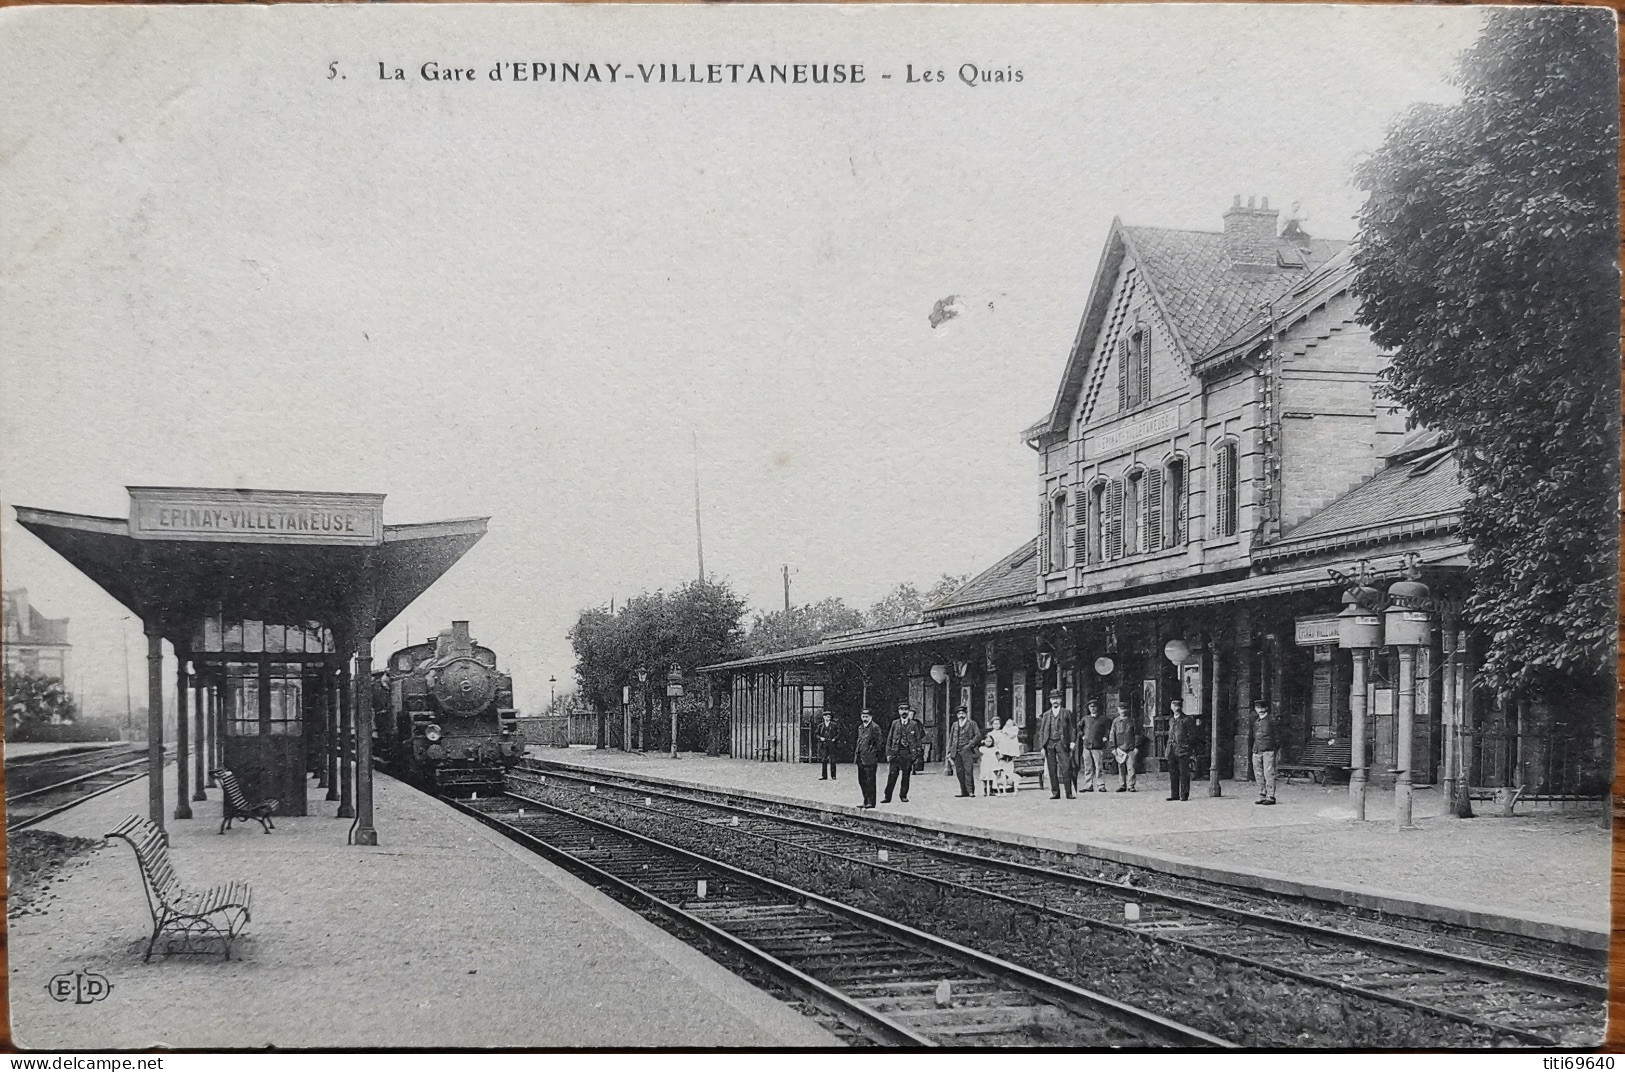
x,y
1315,629
229,515
1155,425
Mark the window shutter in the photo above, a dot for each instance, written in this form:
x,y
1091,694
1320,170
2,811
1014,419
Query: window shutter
x,y
1224,478
1043,535
1178,506
1144,341
1122,375
1080,531
1114,519
1152,513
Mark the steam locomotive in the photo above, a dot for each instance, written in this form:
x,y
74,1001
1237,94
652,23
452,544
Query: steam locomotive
x,y
448,722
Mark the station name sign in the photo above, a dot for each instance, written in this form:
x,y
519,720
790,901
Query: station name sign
x,y
1163,422
212,515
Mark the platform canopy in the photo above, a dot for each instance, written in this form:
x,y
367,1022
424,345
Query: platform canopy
x,y
291,556
319,566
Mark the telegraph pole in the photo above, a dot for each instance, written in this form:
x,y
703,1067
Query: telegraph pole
x,y
699,543
786,569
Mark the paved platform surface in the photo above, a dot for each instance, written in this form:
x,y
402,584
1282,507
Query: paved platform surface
x,y
1548,868
446,935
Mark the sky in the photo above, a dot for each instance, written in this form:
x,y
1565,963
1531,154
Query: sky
x,y
231,255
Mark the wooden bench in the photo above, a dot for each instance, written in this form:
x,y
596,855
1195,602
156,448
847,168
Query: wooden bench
x,y
1029,768
1319,761
193,918
236,806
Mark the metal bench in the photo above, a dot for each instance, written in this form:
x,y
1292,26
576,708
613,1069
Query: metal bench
x,y
1029,768
235,805
193,918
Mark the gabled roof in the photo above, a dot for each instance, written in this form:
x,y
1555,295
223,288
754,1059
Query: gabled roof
x,y
1411,498
1205,297
1012,579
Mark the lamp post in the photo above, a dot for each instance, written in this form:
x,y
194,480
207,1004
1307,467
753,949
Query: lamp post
x,y
674,691
552,693
1359,630
643,723
1408,624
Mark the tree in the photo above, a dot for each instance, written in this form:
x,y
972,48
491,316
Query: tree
x,y
698,624
906,605
799,627
35,700
1486,261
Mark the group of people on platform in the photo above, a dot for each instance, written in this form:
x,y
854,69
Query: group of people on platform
x,y
1072,752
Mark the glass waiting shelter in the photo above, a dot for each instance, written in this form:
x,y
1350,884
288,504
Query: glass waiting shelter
x,y
270,601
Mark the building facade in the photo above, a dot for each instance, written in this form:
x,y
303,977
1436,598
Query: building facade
x,y
1216,472
33,643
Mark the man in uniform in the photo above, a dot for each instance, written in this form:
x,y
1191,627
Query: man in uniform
x,y
965,748
1181,750
904,746
871,748
1125,740
825,735
1092,747
1264,745
1054,735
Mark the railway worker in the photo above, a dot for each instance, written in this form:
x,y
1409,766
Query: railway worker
x,y
965,749
1181,750
868,754
1057,730
904,748
826,735
1264,745
1092,747
1125,741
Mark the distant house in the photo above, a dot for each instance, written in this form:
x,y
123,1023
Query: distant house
x,y
33,643
1215,465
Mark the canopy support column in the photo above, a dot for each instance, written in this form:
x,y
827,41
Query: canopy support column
x,y
183,787
155,722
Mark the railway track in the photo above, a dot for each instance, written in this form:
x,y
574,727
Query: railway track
x,y
41,787
1494,1001
881,982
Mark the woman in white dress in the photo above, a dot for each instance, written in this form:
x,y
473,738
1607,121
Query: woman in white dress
x,y
999,748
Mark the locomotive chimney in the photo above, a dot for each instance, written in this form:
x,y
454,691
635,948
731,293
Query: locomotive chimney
x,y
460,642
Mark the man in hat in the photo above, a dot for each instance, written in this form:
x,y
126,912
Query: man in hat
x,y
1264,745
1181,750
825,735
870,750
1092,747
1125,741
904,747
965,747
1054,736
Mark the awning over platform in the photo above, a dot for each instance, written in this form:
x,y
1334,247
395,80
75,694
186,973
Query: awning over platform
x,y
1256,587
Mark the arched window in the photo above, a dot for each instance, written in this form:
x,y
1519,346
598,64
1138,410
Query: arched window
x,y
1175,498
1226,501
1134,512
1134,369
1057,533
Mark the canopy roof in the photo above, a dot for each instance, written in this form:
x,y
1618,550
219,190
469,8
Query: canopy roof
x,y
283,576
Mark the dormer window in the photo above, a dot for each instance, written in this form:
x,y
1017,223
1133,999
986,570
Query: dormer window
x,y
1134,369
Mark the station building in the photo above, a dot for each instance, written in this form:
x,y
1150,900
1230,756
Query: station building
x,y
1215,472
270,601
31,642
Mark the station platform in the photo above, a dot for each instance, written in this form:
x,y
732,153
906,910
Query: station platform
x,y
1540,873
30,749
445,935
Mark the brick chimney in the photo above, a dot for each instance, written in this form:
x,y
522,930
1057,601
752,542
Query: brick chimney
x,y
1249,232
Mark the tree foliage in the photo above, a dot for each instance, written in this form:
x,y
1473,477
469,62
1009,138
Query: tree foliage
x,y
799,627
806,625
1486,260
36,700
699,623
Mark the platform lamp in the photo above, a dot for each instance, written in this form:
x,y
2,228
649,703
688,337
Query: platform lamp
x,y
674,692
643,723
1359,630
1408,625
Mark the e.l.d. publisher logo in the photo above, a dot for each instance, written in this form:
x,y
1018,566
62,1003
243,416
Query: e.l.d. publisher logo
x,y
81,988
